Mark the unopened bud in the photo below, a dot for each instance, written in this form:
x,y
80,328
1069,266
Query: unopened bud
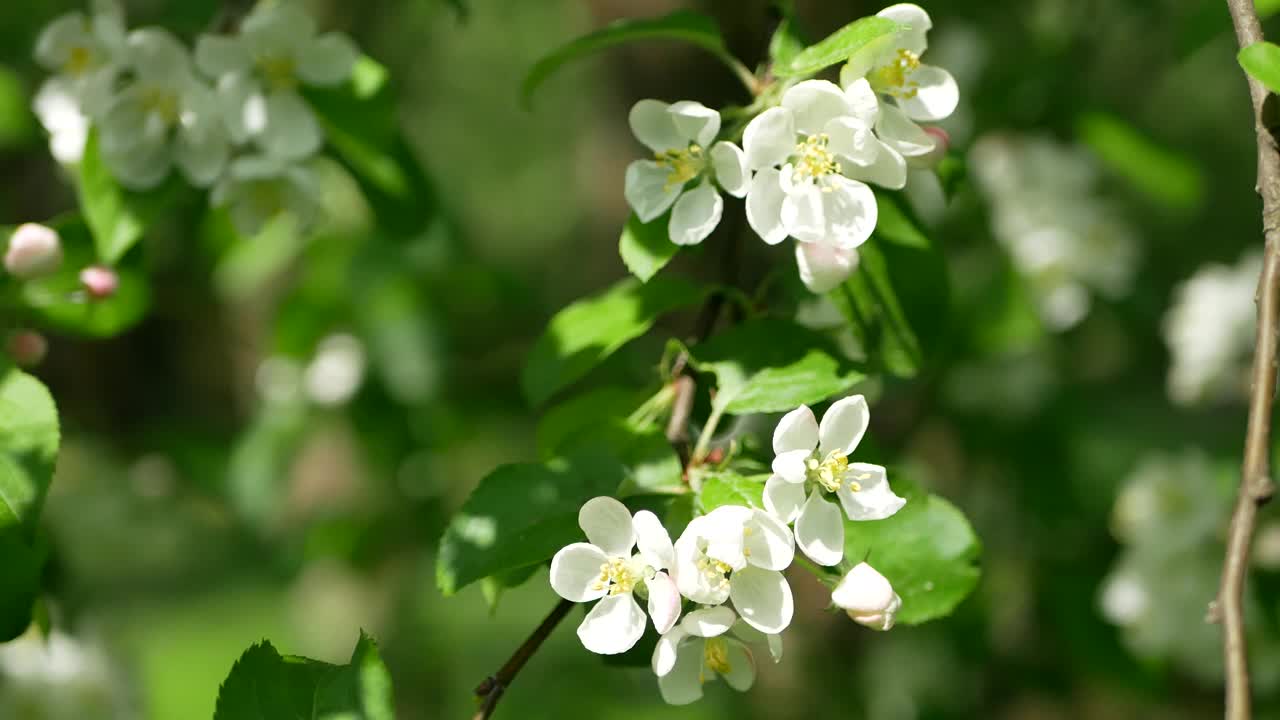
x,y
26,347
941,144
34,250
867,597
99,281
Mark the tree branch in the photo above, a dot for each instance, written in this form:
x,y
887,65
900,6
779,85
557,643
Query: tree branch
x,y
490,691
1256,486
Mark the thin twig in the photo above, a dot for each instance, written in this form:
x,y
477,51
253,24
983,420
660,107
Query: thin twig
x,y
491,689
1256,486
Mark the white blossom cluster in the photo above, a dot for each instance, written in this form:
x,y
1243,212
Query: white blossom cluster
x,y
1049,215
804,165
719,588
228,116
1209,330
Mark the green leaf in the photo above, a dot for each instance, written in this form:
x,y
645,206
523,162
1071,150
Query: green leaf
x,y
250,262
861,41
564,422
787,41
590,330
1163,174
896,301
118,218
520,515
646,248
1262,61
29,438
772,365
726,488
59,300
927,550
360,125
681,25
265,685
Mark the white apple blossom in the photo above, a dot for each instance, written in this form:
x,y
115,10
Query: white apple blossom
x,y
1209,330
84,53
257,188
259,71
923,92
604,569
680,136
162,116
34,250
706,643
811,461
59,111
867,597
735,553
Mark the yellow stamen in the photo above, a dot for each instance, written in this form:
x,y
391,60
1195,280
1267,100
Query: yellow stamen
x,y
280,73
79,60
830,472
892,77
683,165
814,160
715,655
616,575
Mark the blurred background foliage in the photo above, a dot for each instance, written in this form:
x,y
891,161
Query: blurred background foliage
x,y
273,450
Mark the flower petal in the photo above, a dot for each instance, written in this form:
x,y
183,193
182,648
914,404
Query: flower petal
x,y
695,215
292,130
783,498
709,622
725,534
653,540
823,267
218,55
729,163
843,425
693,582
664,653
59,38
156,53
790,465
875,501
775,647
664,602
863,589
683,684
803,211
936,96
849,211
885,167
607,524
820,531
654,126
742,667
770,138
201,153
274,29
853,139
575,571
814,103
648,191
613,626
797,430
327,60
917,22
863,103
902,134
763,599
695,122
764,206
769,543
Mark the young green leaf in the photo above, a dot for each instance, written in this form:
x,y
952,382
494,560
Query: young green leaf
x,y
646,248
860,41
728,488
928,551
786,41
1163,174
117,217
682,25
520,515
265,685
1262,61
772,365
590,330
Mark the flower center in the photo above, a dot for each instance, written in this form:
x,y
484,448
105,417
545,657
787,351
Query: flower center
x,y
830,473
715,655
715,572
163,103
79,60
892,76
280,73
618,576
813,159
682,165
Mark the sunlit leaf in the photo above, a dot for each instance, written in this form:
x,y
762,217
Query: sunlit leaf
x,y
726,488
861,41
1163,174
117,217
646,247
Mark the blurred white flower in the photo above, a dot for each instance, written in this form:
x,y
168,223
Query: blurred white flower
x,y
1058,230
680,136
698,650
260,70
1210,331
33,250
60,677
257,188
867,597
59,111
335,373
812,461
604,569
1124,598
84,53
162,116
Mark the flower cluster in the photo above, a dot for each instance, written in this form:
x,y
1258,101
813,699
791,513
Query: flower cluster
x,y
1209,330
719,588
228,116
804,164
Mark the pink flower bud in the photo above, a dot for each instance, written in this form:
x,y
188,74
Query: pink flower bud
x,y
34,250
100,281
941,144
867,597
26,347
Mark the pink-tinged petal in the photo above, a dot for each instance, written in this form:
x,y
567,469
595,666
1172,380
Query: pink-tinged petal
x,y
664,602
653,540
823,267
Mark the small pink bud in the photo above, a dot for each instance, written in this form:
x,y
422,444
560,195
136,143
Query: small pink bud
x,y
100,281
27,347
941,144
34,250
